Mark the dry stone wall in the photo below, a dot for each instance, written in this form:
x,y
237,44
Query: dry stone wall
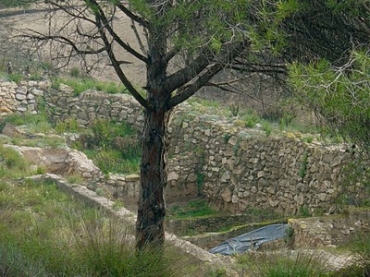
x,y
239,168
91,105
21,97
236,168
332,230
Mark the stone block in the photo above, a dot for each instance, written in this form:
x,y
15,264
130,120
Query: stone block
x,y
20,96
226,195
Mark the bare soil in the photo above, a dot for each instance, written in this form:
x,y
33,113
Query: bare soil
x,y
38,18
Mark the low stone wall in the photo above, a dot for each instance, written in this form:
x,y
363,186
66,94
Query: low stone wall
x,y
91,105
234,167
122,186
21,97
330,230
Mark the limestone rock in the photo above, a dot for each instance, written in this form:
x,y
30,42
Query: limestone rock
x,y
225,177
172,176
226,195
10,130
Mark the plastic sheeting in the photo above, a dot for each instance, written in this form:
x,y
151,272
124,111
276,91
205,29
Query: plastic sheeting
x,y
251,240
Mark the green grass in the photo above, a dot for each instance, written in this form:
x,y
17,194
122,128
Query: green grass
x,y
277,264
68,126
80,85
12,164
194,208
250,118
33,124
360,246
113,161
113,147
44,232
36,123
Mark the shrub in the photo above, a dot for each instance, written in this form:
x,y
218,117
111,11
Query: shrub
x,y
107,161
251,119
112,147
75,72
69,125
267,127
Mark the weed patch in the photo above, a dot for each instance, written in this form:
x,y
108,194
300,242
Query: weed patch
x,y
194,208
277,264
12,164
80,85
44,232
113,147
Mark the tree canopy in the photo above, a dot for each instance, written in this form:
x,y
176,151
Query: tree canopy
x,y
335,81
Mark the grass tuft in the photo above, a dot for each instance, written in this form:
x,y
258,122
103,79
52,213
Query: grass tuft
x,y
283,264
80,85
194,208
44,232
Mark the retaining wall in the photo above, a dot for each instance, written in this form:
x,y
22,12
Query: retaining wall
x,y
234,167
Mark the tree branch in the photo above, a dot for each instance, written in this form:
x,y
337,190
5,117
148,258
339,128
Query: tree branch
x,y
116,64
131,15
63,40
105,24
138,38
207,74
182,76
259,68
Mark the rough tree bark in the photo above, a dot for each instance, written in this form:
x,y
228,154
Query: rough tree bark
x,y
151,204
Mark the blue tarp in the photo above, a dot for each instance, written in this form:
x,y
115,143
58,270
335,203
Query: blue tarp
x,y
251,240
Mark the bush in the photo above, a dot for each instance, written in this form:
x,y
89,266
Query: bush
x,y
251,119
68,125
113,147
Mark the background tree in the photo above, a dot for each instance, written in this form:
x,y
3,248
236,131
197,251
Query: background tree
x,y
183,45
339,94
333,79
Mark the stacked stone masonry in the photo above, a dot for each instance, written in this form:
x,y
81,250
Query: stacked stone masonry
x,y
22,97
235,167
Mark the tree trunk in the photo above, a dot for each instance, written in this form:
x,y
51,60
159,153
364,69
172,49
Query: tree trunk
x,y
153,179
151,205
